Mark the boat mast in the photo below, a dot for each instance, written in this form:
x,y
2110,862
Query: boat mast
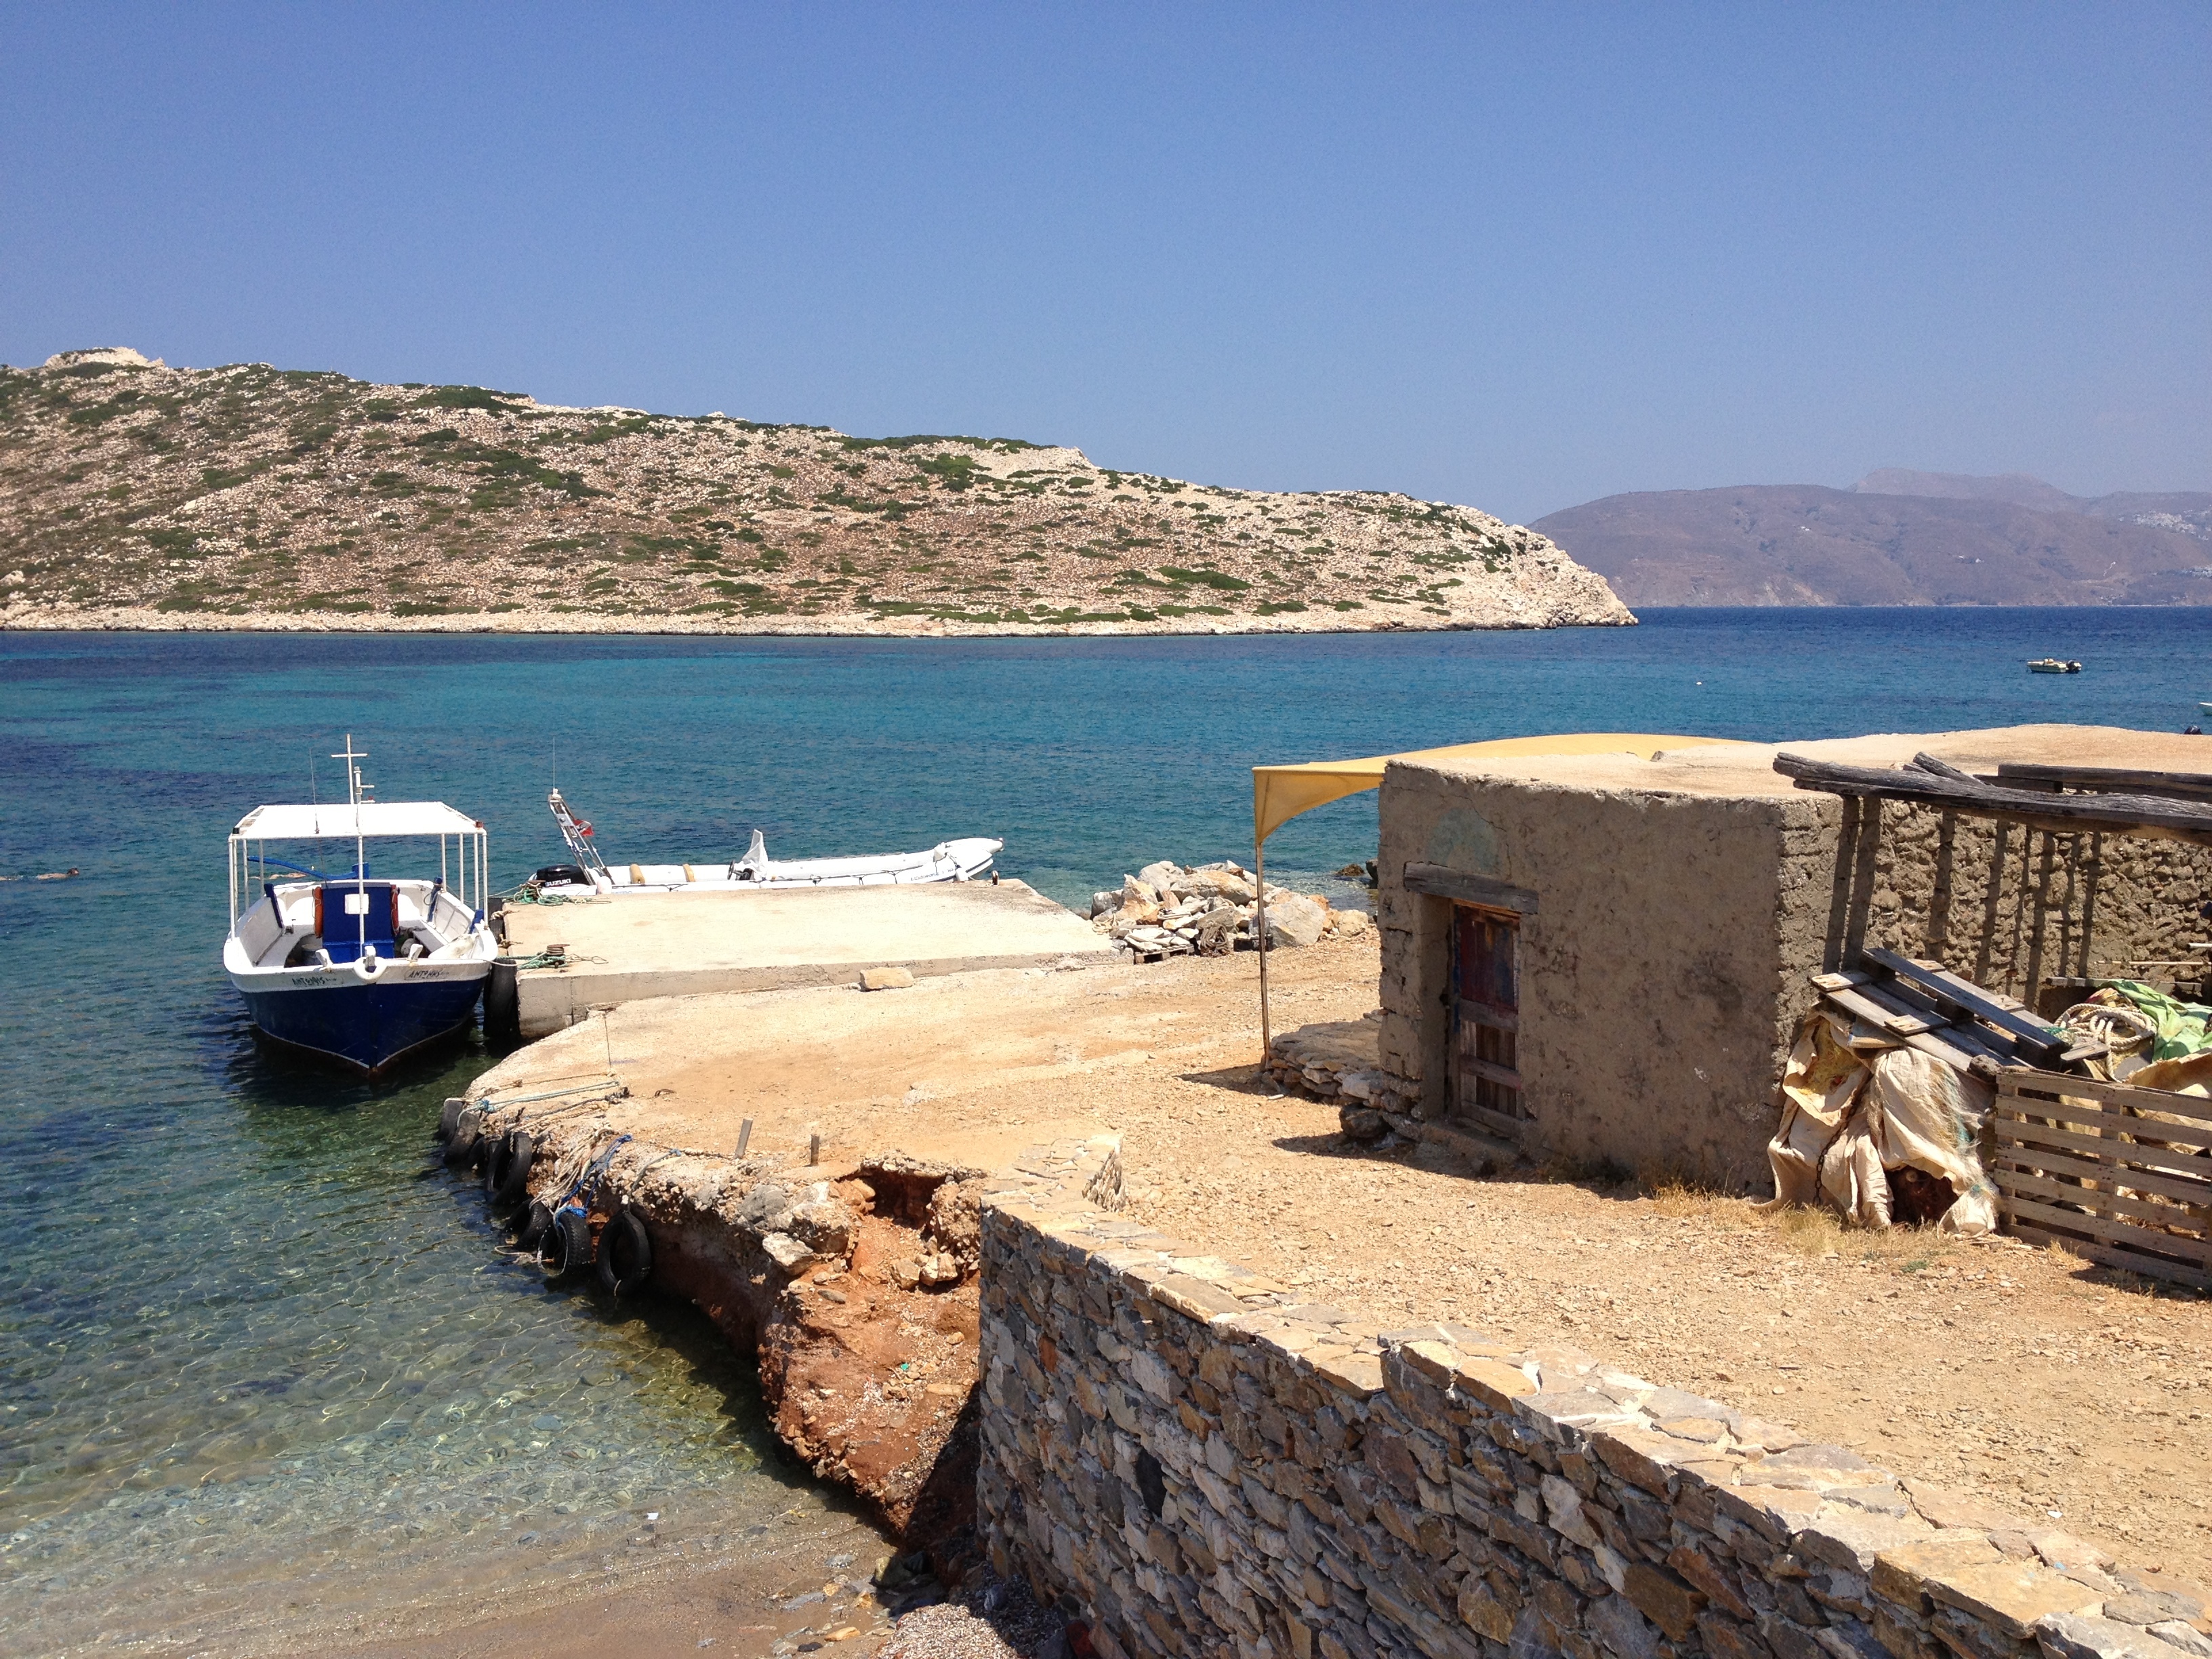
x,y
360,841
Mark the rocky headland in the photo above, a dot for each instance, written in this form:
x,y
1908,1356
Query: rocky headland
x,y
135,496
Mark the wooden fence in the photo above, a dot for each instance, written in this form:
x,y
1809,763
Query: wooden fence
x,y
2119,1174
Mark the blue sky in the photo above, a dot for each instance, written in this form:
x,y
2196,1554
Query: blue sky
x,y
1518,258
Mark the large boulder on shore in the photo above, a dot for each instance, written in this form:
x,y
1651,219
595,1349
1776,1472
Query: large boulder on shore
x,y
1218,881
1162,877
1294,920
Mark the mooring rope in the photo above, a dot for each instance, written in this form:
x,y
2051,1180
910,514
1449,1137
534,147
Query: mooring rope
x,y
547,959
529,894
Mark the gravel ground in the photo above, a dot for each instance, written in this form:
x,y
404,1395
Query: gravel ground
x,y
991,1620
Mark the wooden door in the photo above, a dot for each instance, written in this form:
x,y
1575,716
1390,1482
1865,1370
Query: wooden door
x,y
1485,1035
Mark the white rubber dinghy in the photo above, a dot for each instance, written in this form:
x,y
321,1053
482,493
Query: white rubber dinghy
x,y
964,859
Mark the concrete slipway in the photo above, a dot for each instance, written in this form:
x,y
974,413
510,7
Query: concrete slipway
x,y
626,948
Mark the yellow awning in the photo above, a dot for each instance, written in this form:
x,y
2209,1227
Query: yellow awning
x,y
1279,793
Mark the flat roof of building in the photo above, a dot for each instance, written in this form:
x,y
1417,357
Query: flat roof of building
x,y
1744,770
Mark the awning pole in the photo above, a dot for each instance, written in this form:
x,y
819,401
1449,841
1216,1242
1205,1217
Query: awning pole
x,y
1266,1036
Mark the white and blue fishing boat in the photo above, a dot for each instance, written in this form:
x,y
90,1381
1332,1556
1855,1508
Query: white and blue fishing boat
x,y
362,966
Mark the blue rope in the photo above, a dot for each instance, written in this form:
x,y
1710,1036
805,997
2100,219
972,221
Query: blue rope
x,y
592,1176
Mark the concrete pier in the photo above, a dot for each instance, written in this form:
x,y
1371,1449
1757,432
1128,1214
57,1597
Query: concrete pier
x,y
626,948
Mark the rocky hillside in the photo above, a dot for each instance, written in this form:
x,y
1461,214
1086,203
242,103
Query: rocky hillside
x,y
2189,512
134,495
1896,537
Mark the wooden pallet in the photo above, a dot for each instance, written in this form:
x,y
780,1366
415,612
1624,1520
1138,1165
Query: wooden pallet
x,y
1924,1005
2077,1162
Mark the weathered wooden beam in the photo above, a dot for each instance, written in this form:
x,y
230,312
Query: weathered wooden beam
x,y
1860,1006
1941,768
1504,1076
1481,1014
2120,1206
2132,815
2125,1158
2178,786
1939,1044
2195,1138
2106,1168
1441,881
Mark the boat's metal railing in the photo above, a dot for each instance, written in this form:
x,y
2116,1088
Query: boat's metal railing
x,y
464,869
577,833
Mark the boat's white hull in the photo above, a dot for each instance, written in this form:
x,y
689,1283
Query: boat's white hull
x,y
952,861
366,1023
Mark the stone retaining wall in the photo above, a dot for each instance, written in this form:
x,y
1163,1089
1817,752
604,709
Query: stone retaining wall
x,y
1195,1461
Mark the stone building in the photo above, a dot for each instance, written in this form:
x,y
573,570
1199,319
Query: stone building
x,y
1603,957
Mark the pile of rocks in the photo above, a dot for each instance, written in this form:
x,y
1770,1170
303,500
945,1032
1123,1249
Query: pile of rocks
x,y
1337,1061
1211,909
1334,1061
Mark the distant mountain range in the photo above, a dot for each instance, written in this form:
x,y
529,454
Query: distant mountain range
x,y
1894,538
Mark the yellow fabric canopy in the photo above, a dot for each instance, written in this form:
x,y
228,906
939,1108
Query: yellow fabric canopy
x,y
1279,793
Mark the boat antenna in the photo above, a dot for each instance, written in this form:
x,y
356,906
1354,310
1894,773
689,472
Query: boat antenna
x,y
360,842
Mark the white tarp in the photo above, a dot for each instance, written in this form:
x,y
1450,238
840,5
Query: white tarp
x,y
1848,1119
1818,1086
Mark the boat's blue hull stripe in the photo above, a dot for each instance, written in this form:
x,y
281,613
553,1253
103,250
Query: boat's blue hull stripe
x,y
365,1024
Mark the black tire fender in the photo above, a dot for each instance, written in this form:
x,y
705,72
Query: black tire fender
x,y
506,1171
468,1139
450,1118
625,1255
566,1250
534,1228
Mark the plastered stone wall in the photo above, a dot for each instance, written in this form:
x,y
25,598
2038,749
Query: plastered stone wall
x,y
1651,977
1667,965
1194,1461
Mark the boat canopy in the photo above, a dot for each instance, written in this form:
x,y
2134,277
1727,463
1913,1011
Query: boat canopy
x,y
1279,793
371,818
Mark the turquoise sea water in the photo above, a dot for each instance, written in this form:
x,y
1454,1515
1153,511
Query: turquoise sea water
x,y
254,1336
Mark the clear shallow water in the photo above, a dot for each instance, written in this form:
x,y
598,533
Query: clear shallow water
x,y
253,1336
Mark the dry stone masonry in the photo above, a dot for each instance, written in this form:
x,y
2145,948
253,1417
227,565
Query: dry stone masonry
x,y
1196,1462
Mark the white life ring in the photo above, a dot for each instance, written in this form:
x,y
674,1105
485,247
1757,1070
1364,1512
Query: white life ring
x,y
369,967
